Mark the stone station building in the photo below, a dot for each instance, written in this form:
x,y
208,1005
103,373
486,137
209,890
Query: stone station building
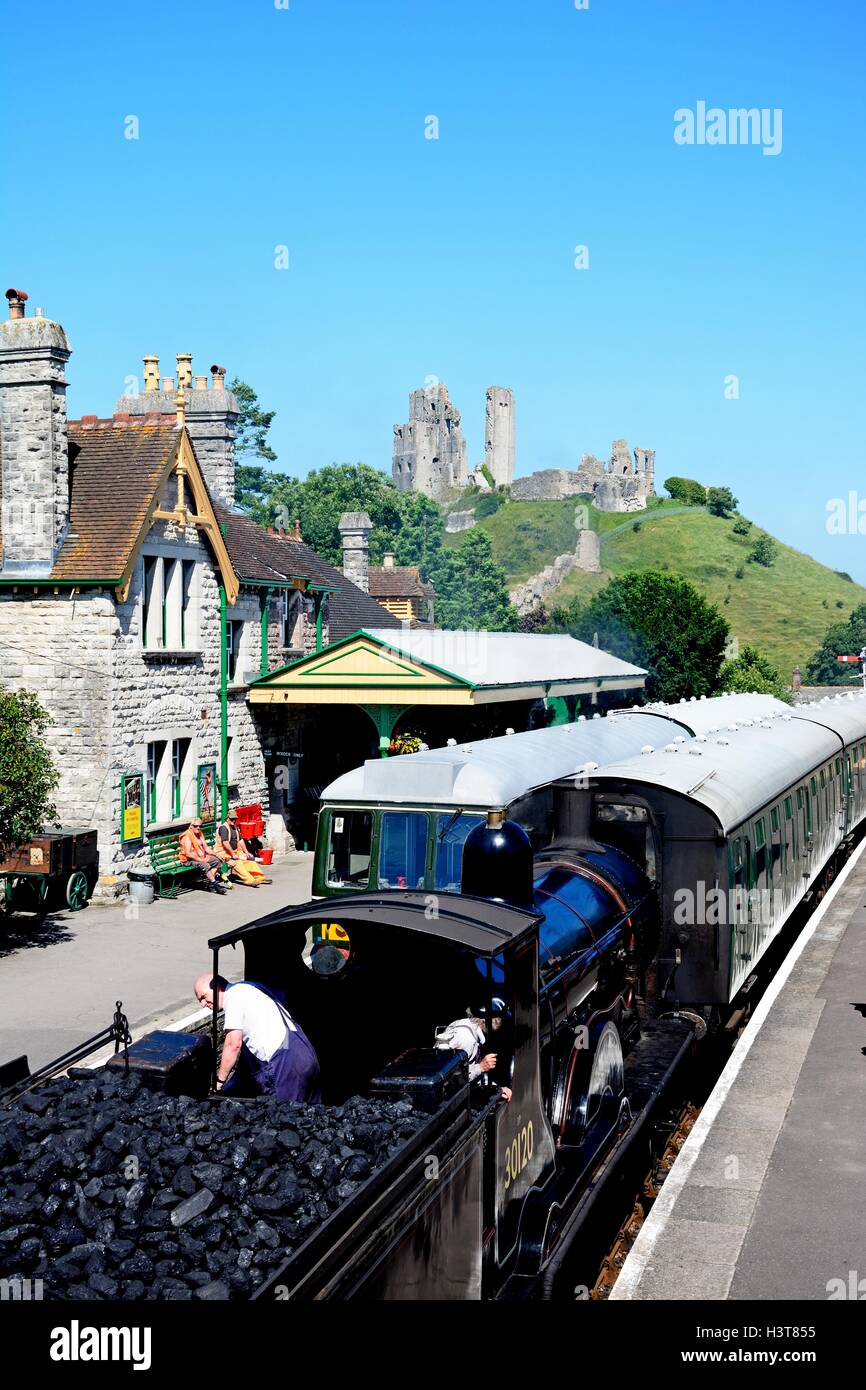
x,y
138,603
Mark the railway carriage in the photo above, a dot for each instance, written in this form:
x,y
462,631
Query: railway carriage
x,y
735,827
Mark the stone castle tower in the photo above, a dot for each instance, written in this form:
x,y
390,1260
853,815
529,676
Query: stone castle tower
x,y
211,413
499,435
430,450
33,440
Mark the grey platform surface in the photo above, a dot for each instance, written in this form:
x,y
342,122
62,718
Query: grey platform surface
x,y
59,981
768,1198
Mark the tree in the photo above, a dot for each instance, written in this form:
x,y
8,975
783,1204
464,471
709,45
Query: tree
x,y
752,671
841,639
471,589
28,777
721,501
741,526
764,551
658,621
686,490
252,480
320,499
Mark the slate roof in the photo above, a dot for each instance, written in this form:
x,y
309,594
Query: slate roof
x,y
265,555
398,581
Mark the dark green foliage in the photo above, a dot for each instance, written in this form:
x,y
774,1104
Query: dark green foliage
x,y
488,504
657,621
686,490
764,551
842,639
28,777
252,479
741,526
720,501
752,671
471,588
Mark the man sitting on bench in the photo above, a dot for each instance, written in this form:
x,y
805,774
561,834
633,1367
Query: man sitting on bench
x,y
193,848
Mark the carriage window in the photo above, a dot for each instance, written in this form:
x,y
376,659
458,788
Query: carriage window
x,y
737,862
403,849
451,832
814,785
350,837
789,808
823,778
774,819
760,851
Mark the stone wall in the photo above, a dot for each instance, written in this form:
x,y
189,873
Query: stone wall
x,y
59,646
585,556
33,443
459,521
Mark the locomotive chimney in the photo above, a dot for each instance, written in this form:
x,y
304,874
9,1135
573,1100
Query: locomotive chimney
x,y
497,862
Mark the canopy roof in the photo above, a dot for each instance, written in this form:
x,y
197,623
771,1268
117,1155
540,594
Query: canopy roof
x,y
422,666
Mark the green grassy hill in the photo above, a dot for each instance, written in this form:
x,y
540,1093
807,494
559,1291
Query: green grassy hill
x,y
784,609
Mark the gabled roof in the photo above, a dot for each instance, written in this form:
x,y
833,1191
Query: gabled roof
x,y
117,470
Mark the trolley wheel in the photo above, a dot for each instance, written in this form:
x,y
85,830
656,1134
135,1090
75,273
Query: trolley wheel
x,y
589,1094
77,890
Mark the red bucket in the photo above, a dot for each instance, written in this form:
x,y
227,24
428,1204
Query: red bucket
x,y
266,856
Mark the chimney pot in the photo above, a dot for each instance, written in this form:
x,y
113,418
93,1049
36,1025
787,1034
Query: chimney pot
x,y
184,370
219,378
151,373
17,300
168,383
201,383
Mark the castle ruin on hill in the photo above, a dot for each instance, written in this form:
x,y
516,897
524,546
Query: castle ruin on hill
x,y
430,456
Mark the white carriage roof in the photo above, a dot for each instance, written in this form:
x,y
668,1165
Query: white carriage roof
x,y
844,714
493,772
736,772
505,659
714,712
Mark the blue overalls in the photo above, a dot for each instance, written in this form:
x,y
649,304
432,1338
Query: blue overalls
x,y
292,1073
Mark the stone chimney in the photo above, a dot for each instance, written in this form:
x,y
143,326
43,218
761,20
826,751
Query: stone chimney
x,y
355,528
388,560
210,415
33,440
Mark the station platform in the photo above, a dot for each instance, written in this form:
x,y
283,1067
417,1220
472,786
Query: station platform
x,y
767,1199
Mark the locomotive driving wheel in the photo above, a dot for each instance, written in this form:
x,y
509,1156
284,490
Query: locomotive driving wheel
x,y
589,1093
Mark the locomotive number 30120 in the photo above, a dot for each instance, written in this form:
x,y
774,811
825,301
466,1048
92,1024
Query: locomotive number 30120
x,y
518,1154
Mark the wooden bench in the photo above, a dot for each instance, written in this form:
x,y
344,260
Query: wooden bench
x,y
167,864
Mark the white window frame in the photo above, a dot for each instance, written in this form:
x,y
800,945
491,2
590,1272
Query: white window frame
x,y
170,613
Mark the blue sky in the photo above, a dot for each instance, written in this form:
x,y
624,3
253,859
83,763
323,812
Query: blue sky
x,y
454,258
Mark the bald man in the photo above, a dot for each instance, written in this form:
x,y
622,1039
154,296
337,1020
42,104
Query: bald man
x,y
261,1032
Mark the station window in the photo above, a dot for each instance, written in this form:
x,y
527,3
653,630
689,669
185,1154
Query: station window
x,y
234,638
168,608
182,780
350,840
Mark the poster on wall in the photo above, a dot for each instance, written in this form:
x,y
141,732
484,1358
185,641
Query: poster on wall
x,y
206,791
131,806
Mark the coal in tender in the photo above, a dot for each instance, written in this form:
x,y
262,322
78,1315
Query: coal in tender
x,y
109,1190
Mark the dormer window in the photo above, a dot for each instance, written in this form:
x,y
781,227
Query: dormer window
x,y
169,604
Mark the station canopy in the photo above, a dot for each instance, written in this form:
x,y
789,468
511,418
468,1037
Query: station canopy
x,y
422,666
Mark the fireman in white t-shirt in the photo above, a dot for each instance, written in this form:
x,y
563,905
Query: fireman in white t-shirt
x,y
260,1030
